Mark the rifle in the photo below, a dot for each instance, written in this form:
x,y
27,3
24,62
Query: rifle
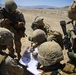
x,y
66,40
12,19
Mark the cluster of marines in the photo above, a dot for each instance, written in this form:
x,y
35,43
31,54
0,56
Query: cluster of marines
x,y
50,43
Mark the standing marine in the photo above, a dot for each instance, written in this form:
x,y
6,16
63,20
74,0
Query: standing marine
x,y
13,20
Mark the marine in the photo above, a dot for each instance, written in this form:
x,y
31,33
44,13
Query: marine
x,y
50,56
38,37
8,66
14,20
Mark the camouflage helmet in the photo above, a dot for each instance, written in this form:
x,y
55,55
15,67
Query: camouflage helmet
x,y
10,6
50,53
5,36
38,19
38,23
38,36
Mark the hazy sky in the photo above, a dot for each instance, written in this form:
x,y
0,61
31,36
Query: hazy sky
x,y
57,3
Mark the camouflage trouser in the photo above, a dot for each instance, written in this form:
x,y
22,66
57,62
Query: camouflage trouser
x,y
17,44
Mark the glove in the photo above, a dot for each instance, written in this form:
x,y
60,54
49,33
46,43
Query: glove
x,y
20,24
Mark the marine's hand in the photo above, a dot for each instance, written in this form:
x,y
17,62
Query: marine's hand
x,y
20,24
31,49
34,54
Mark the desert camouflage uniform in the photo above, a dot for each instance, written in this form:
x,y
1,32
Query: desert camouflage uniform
x,y
17,34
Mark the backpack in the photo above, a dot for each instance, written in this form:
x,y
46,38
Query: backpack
x,y
56,36
72,10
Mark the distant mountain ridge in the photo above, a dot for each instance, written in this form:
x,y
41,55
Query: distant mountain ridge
x,y
37,6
